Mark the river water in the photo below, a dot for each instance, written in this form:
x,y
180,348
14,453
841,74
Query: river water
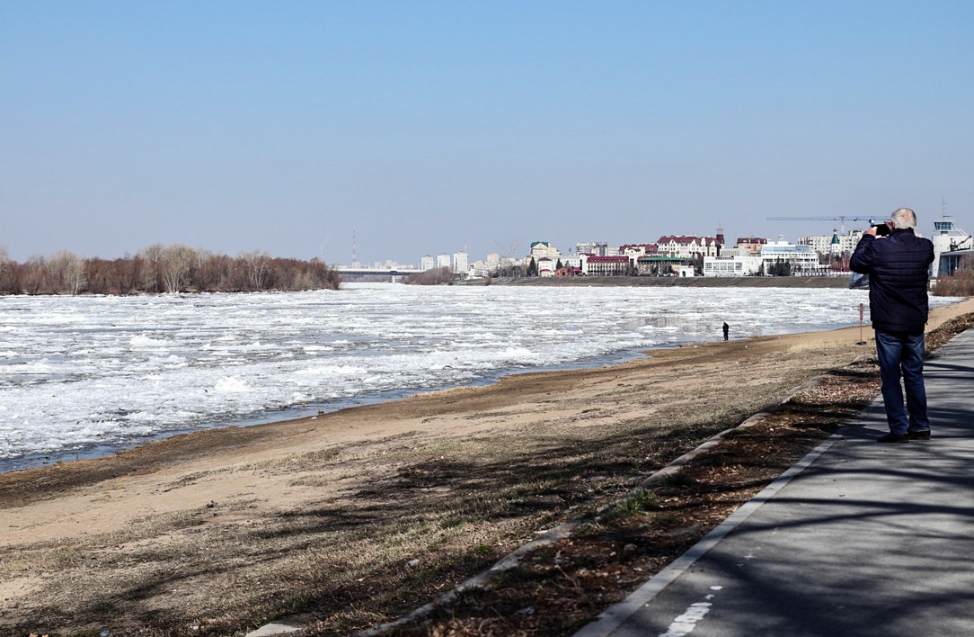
x,y
87,375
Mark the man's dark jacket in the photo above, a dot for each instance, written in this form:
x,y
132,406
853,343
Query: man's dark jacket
x,y
898,269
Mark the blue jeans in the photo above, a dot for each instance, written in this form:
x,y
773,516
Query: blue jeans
x,y
902,354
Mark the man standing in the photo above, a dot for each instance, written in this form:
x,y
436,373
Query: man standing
x,y
898,268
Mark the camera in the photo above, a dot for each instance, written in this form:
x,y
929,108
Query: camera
x,y
882,229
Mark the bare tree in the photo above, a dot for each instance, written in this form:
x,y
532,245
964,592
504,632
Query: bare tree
x,y
236,277
176,263
435,276
256,262
151,273
75,276
127,274
66,272
7,283
34,277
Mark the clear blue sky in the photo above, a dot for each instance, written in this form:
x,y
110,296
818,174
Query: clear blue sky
x,y
430,126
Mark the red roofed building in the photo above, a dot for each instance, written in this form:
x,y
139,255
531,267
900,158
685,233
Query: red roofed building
x,y
635,250
688,247
608,266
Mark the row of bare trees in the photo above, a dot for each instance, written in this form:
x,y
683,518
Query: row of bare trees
x,y
434,276
158,268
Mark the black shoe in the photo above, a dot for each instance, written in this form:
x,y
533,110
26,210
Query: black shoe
x,y
919,435
891,437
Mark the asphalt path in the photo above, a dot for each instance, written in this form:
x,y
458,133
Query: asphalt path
x,y
857,539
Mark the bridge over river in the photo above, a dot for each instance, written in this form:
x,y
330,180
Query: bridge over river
x,y
362,273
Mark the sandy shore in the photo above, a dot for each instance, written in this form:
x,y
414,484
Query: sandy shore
x,y
256,473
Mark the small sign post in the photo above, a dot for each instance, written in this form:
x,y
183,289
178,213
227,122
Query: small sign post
x,y
862,308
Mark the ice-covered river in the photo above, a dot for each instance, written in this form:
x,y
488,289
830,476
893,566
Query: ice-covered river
x,y
82,375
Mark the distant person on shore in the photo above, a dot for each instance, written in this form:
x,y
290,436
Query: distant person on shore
x,y
726,330
898,268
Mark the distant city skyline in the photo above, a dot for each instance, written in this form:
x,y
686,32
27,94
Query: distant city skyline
x,y
819,239
427,126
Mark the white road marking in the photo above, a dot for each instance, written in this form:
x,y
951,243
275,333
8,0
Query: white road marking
x,y
685,623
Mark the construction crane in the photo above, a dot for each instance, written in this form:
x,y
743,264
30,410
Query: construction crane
x,y
840,218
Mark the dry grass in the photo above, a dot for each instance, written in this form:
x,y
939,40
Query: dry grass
x,y
960,284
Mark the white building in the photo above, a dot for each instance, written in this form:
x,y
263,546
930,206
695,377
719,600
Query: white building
x,y
577,262
802,259
731,265
546,267
834,243
598,248
947,238
460,262
426,263
479,269
443,260
543,249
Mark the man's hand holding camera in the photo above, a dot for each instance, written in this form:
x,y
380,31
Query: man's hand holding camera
x,y
879,229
